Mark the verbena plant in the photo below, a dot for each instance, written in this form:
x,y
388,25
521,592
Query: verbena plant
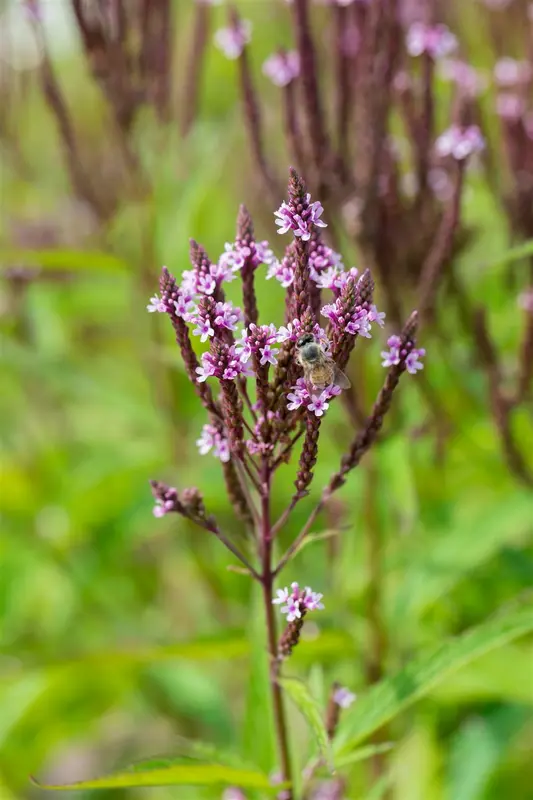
x,y
400,198
262,408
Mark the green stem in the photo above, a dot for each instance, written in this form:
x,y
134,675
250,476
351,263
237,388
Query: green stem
x,y
267,583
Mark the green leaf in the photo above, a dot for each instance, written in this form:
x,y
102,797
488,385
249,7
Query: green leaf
x,y
523,250
479,747
439,564
503,674
301,697
315,537
363,753
174,775
393,695
69,260
229,645
5,793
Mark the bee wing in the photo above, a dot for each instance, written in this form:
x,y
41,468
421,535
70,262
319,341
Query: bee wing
x,y
340,379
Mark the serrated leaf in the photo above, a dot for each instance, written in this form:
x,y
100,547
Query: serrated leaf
x,y
174,775
393,695
307,705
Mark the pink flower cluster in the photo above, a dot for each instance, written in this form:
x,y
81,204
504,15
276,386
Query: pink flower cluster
x,y
359,320
236,255
206,281
217,315
334,278
316,403
282,68
296,600
184,305
460,143
325,269
435,40
300,224
259,339
293,330
225,365
282,271
212,439
396,353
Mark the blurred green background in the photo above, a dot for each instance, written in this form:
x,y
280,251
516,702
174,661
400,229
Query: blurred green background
x,y
95,594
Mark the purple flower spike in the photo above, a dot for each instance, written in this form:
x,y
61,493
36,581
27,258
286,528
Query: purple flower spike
x,y
232,40
282,68
301,224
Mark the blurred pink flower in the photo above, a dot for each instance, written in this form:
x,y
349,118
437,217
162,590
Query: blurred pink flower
x,y
510,106
435,40
282,68
460,142
510,72
232,40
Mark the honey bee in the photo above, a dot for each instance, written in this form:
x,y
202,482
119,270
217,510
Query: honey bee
x,y
319,368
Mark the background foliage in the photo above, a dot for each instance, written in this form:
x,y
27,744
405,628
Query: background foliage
x,y
124,636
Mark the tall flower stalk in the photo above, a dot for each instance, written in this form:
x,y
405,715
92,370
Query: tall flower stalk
x,y
261,406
